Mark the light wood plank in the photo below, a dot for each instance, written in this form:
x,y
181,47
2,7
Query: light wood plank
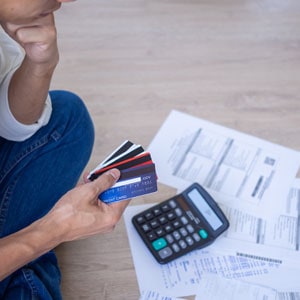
x,y
236,63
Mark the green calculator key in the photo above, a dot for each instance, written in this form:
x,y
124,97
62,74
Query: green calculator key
x,y
159,244
203,233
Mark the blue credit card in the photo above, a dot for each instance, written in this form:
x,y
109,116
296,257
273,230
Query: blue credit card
x,y
133,182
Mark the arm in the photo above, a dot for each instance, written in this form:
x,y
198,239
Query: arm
x,y
78,214
30,84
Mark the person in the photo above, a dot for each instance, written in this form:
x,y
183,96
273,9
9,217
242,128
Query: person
x,y
46,139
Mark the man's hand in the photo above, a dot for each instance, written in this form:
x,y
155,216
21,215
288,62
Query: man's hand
x,y
38,38
79,213
29,86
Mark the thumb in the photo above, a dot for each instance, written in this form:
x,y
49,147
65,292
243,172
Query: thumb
x,y
107,179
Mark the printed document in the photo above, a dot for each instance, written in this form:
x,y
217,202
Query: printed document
x,y
231,260
252,173
254,182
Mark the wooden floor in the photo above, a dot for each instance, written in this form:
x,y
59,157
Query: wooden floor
x,y
232,62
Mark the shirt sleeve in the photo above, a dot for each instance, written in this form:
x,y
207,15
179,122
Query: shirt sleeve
x,y
11,57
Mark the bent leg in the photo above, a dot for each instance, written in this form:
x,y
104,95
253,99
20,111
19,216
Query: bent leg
x,y
38,280
35,173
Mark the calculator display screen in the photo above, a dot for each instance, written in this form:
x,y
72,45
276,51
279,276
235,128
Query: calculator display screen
x,y
205,209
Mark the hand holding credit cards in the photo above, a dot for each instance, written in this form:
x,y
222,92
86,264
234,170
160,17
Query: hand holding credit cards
x,y
138,175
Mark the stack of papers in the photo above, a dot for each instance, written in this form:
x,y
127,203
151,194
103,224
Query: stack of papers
x,y
254,182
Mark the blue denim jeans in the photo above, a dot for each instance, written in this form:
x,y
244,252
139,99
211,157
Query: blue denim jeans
x,y
34,174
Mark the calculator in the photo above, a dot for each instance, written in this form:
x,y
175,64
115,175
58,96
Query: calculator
x,y
190,220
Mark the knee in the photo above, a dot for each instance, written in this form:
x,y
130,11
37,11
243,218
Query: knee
x,y
72,112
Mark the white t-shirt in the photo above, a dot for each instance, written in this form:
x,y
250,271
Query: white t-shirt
x,y
11,57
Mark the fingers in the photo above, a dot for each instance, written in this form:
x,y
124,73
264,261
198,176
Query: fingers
x,y
119,207
38,38
115,210
36,34
85,177
113,213
83,214
19,31
106,180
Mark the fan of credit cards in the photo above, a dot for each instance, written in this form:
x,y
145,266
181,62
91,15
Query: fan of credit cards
x,y
138,175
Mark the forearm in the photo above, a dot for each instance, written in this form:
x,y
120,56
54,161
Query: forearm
x,y
29,243
30,83
78,214
28,90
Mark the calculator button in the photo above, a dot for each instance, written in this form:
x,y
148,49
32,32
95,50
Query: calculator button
x,y
149,216
159,244
176,235
178,211
146,228
169,238
168,228
189,240
160,232
203,233
175,247
176,224
163,220
184,220
171,216
165,252
196,237
157,212
165,208
190,228
151,236
172,203
140,219
154,224
183,231
182,244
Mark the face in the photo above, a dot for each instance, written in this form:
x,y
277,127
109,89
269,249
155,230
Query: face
x,y
26,11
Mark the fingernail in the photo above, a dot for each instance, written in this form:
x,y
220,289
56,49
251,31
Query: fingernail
x,y
115,173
